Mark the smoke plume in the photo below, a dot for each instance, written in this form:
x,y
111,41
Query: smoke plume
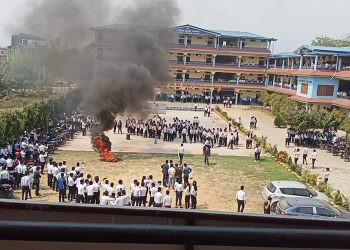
x,y
123,77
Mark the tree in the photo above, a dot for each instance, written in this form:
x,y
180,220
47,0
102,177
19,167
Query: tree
x,y
331,42
279,122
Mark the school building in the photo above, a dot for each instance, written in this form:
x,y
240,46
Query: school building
x,y
241,65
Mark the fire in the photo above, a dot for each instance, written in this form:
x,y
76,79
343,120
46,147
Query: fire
x,y
102,145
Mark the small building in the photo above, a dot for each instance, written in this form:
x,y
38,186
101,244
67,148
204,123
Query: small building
x,y
4,52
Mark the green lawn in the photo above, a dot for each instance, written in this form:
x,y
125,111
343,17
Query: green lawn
x,y
217,183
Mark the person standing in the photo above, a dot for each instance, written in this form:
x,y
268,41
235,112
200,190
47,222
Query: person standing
x,y
152,191
257,152
143,194
267,206
25,183
194,195
326,174
61,185
181,152
313,158
187,196
120,125
241,199
115,126
71,189
206,151
171,173
296,156
178,190
186,171
42,159
305,152
165,170
167,200
158,198
36,181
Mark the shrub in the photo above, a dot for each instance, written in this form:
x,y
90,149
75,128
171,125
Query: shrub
x,y
282,156
322,186
298,170
346,202
309,178
338,199
279,122
329,191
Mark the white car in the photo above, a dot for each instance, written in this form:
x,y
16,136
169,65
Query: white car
x,y
278,189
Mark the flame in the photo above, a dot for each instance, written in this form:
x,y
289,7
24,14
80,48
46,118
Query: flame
x,y
101,146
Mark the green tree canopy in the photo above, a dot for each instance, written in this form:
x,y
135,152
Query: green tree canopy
x,y
331,42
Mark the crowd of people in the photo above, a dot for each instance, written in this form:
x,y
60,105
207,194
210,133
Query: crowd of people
x,y
310,138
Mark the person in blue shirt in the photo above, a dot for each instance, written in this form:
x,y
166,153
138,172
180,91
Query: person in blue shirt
x,y
61,185
186,171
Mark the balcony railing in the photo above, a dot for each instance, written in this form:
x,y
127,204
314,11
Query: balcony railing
x,y
258,83
342,96
218,46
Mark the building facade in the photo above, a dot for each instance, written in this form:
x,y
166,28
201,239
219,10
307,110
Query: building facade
x,y
26,40
241,65
3,55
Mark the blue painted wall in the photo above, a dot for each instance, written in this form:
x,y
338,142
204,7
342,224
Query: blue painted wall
x,y
313,83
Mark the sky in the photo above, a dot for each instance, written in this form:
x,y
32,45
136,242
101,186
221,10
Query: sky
x,y
292,22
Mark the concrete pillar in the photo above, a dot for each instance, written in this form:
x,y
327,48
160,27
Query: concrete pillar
x,y
340,65
236,99
283,61
288,63
184,59
315,62
183,77
240,44
239,62
237,79
292,64
214,61
185,40
275,63
215,42
290,82
273,80
307,107
211,89
266,80
282,80
301,62
267,63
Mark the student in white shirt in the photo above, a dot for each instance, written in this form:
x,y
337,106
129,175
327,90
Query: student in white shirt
x,y
80,191
305,152
120,186
106,200
194,195
178,190
180,152
126,199
171,173
153,190
158,198
241,199
71,187
296,155
90,193
136,194
167,200
326,174
143,197
187,195
313,158
25,184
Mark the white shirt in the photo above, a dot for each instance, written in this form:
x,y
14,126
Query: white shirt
x,y
89,190
153,190
120,201
143,191
193,191
158,197
240,195
171,172
126,199
167,200
314,155
105,200
95,187
187,190
326,174
81,190
9,163
305,151
25,181
178,187
136,191
4,174
181,150
71,182
120,187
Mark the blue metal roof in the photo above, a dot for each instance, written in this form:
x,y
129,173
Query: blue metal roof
x,y
343,51
240,34
285,55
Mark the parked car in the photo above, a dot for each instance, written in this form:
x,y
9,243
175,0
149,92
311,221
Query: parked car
x,y
290,189
309,208
280,189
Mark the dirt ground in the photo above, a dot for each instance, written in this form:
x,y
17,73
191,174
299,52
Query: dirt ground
x,y
217,184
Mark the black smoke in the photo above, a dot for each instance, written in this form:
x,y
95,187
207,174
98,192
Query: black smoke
x,y
133,59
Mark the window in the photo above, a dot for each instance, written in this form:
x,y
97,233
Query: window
x,y
301,192
324,212
304,88
199,37
288,191
99,52
325,90
271,187
99,37
305,210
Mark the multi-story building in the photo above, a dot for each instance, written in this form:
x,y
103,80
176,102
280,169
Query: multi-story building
x,y
26,40
240,64
3,55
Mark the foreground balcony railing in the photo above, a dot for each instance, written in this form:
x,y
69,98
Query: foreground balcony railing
x,y
342,96
229,65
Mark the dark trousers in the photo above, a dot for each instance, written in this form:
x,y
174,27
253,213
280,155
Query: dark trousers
x,y
90,199
313,163
151,201
37,187
257,156
181,156
287,142
80,198
70,193
193,201
178,198
165,180
142,201
42,165
304,159
187,201
240,207
186,179
49,180
206,159
296,160
96,198
135,201
184,138
25,192
61,194
54,184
